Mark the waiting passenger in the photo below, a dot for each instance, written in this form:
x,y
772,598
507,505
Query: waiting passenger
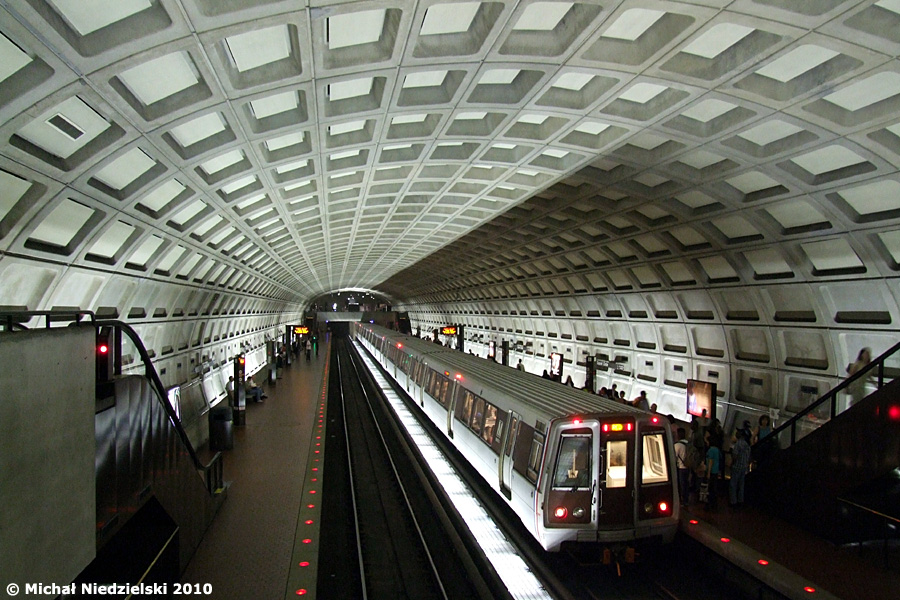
x,y
714,465
520,366
622,397
697,453
603,392
546,375
229,388
740,464
857,389
763,430
254,391
684,473
569,381
641,401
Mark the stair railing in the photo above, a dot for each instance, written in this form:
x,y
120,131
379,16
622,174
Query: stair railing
x,y
880,371
212,472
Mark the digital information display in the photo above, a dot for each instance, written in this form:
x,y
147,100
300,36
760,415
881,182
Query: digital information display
x,y
301,330
448,330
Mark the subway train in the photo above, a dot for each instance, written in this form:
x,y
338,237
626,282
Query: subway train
x,y
576,468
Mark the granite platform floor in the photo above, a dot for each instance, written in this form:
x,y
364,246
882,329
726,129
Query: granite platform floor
x,y
246,552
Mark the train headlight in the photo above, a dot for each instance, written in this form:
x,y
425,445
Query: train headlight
x,y
648,508
560,512
578,513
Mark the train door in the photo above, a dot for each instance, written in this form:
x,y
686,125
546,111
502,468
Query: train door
x,y
616,489
505,465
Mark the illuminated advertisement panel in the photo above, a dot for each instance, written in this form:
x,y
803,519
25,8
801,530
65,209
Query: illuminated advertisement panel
x,y
701,395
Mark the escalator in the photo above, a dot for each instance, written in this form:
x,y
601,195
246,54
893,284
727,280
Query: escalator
x,y
834,468
110,488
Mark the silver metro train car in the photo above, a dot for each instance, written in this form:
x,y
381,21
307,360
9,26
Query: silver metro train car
x,y
575,467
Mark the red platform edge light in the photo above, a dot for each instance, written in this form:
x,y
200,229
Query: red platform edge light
x,y
809,589
693,521
763,562
301,592
725,540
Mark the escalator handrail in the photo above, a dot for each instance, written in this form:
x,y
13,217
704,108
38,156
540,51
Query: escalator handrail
x,y
831,396
153,376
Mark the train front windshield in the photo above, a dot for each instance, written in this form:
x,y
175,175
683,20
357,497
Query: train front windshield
x,y
573,466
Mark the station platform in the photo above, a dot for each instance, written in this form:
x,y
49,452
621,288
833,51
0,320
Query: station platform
x,y
263,543
792,560
248,551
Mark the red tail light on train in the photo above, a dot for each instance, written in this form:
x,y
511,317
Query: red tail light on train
x,y
560,512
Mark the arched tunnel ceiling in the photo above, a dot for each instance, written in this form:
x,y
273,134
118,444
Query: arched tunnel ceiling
x,y
284,149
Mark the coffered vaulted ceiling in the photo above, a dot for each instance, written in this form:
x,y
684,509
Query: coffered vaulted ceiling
x,y
285,149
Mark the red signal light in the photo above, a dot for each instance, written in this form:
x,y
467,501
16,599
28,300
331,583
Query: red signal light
x,y
894,413
103,349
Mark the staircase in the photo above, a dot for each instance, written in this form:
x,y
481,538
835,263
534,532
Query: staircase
x,y
832,468
125,483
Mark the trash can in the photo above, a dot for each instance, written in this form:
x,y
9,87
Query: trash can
x,y
221,431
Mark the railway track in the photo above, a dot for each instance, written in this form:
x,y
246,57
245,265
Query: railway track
x,y
387,532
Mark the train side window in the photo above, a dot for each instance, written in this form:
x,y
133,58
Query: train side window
x,y
522,450
420,375
443,397
511,440
477,420
616,463
653,469
573,464
466,408
490,423
498,431
534,457
435,384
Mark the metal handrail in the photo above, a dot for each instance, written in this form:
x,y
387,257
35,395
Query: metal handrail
x,y
212,471
831,397
209,470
